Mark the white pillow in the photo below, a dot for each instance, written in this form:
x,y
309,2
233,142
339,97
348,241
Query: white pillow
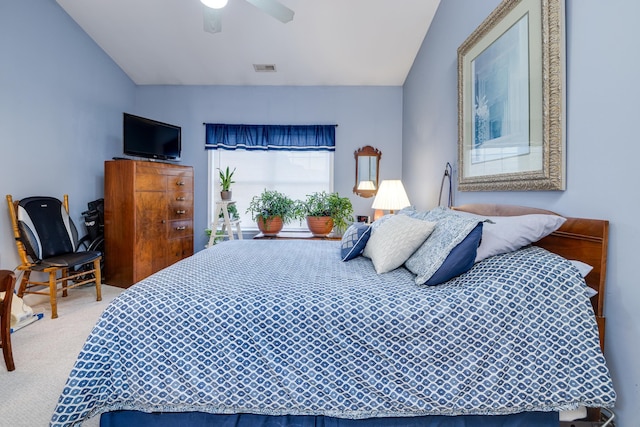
x,y
573,414
504,234
582,267
395,240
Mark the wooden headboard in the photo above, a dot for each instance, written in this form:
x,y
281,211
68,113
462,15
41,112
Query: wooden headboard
x,y
581,239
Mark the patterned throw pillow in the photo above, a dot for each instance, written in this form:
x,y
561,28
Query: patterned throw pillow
x,y
354,240
460,259
393,241
451,230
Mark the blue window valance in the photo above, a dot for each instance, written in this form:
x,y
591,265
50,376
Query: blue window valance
x,y
270,137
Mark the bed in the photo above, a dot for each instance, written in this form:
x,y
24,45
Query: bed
x,y
282,333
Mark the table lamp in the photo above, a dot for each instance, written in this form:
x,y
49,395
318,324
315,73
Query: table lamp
x,y
391,197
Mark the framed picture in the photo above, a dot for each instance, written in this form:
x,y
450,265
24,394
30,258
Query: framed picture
x,y
511,100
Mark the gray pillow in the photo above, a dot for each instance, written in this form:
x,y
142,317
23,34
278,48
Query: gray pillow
x,y
394,240
502,234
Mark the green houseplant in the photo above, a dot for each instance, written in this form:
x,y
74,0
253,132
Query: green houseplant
x,y
323,211
271,210
226,179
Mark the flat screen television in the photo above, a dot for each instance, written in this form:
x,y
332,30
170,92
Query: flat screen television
x,y
150,139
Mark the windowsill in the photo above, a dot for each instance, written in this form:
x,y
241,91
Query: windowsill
x,y
302,235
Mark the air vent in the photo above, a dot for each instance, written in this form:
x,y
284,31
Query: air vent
x,y
264,68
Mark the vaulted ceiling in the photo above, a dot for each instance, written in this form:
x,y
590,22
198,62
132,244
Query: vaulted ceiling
x,y
328,42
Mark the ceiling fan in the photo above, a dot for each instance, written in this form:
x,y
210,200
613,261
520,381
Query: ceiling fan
x,y
213,16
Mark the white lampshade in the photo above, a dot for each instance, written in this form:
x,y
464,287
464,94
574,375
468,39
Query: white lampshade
x,y
391,196
214,4
366,185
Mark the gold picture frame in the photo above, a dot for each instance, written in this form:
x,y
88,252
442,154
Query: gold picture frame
x,y
511,100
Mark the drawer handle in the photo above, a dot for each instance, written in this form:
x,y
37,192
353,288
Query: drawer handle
x,y
181,212
181,228
180,183
180,199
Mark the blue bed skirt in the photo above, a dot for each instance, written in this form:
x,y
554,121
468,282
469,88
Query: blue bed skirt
x,y
200,419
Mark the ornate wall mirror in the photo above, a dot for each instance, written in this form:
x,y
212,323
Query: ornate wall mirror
x,y
367,171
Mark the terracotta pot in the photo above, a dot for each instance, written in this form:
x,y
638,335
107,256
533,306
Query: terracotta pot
x,y
320,226
225,195
270,227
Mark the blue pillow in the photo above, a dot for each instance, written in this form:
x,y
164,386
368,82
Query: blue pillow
x,y
451,230
460,259
354,240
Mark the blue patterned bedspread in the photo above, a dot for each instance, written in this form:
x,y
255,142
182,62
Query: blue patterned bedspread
x,y
285,327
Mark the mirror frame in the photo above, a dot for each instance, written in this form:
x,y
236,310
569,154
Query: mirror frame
x,y
367,151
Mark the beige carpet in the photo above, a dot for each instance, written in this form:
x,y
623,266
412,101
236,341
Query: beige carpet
x,y
44,353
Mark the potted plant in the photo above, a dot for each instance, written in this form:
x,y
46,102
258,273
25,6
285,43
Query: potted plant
x,y
271,210
323,211
226,179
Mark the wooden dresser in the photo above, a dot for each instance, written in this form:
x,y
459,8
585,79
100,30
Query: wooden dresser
x,y
148,218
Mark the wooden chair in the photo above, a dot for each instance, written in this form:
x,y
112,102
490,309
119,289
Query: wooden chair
x,y
47,242
7,285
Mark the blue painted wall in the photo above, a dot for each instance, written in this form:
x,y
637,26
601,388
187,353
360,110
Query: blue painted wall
x,y
602,148
61,103
365,116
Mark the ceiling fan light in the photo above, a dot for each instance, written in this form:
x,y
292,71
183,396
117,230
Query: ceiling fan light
x,y
214,4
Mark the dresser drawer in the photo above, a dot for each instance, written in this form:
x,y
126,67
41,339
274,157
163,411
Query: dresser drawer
x,y
180,182
178,212
179,249
152,178
180,206
178,229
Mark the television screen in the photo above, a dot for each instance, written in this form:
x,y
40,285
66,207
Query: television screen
x,y
151,139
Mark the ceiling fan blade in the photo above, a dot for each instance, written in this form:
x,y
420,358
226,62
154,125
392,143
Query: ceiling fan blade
x,y
274,8
212,19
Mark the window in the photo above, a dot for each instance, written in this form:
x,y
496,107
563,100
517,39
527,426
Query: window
x,y
294,173
293,159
